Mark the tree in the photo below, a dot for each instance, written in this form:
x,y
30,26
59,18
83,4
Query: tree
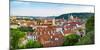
x,y
26,29
71,39
15,35
89,37
90,24
33,44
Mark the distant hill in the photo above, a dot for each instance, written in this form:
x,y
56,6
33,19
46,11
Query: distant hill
x,y
80,15
65,16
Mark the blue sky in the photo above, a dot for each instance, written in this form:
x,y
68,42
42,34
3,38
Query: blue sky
x,y
19,8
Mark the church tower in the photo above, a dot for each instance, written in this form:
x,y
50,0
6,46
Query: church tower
x,y
71,17
53,22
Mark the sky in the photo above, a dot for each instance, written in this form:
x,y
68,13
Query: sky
x,y
20,8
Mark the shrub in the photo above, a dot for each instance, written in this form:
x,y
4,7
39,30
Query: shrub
x,y
90,24
87,39
71,39
26,29
33,44
15,35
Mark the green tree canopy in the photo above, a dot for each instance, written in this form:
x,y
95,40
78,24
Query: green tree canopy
x,y
15,35
33,44
89,37
26,29
71,39
90,24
